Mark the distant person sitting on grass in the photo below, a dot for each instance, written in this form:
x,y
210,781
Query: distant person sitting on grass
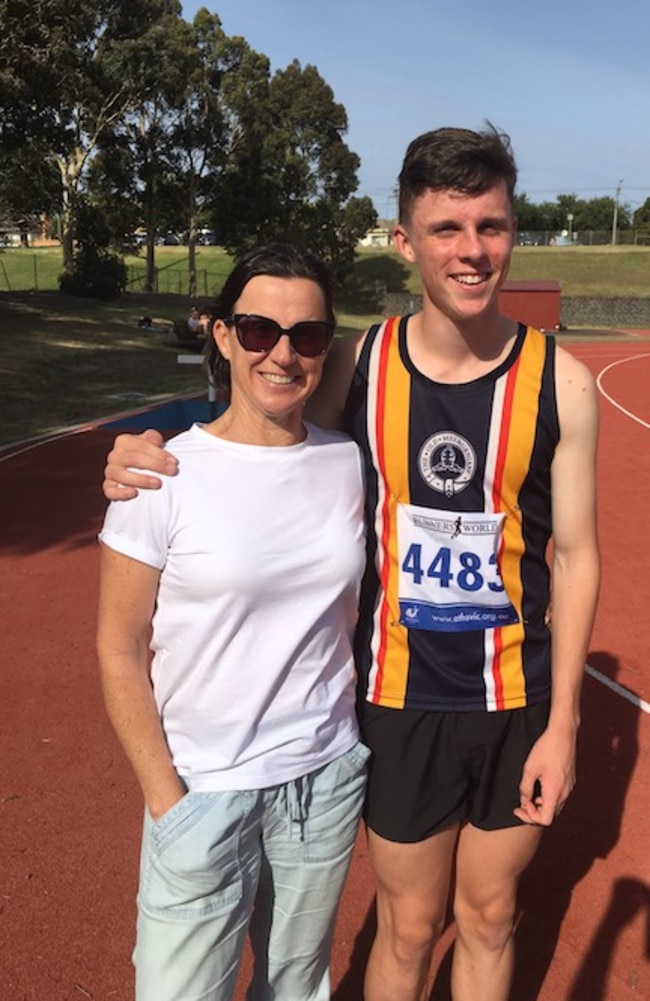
x,y
199,323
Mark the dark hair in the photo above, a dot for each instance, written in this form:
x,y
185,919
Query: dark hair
x,y
279,260
457,159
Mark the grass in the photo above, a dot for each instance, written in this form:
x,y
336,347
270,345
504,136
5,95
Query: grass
x,y
38,269
587,271
602,271
581,271
65,360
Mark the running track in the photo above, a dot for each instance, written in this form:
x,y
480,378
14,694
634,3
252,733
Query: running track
x,y
70,811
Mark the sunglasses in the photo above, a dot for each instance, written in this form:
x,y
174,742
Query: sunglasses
x,y
309,338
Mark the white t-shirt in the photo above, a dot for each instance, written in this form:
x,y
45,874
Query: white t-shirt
x,y
261,552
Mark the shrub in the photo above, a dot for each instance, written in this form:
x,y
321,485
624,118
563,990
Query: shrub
x,y
95,272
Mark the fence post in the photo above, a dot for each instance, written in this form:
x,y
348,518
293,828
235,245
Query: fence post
x,y
4,271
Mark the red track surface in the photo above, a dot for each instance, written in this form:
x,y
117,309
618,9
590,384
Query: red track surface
x,y
70,810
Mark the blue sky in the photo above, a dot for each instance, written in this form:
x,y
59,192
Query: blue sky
x,y
569,80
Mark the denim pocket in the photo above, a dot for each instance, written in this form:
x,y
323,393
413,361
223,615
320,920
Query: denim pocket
x,y
191,864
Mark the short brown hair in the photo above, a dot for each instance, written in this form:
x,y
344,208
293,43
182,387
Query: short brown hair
x,y
279,260
456,159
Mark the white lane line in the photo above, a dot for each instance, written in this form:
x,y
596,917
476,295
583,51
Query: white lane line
x,y
613,402
12,452
625,693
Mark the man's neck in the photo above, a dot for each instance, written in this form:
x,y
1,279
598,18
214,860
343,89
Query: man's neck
x,y
448,351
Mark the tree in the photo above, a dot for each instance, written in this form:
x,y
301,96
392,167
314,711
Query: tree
x,y
174,138
96,271
66,81
289,173
592,214
137,160
29,187
598,214
197,134
150,119
525,212
642,221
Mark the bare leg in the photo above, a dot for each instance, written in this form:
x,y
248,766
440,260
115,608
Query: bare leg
x,y
488,867
412,891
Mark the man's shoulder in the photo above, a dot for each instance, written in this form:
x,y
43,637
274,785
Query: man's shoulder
x,y
573,379
576,392
345,350
327,405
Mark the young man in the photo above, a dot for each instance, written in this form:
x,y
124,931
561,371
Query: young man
x,y
479,438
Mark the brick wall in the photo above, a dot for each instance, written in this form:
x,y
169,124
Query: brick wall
x,y
590,311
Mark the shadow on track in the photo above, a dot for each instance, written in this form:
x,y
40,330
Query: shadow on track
x,y
587,831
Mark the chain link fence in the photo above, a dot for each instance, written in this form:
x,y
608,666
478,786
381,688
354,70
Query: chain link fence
x,y
583,238
21,270
175,280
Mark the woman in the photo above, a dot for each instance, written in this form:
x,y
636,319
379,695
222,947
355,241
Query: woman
x,y
242,733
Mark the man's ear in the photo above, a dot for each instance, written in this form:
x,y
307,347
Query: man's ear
x,y
402,243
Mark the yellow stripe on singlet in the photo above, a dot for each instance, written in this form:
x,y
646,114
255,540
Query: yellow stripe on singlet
x,y
391,433
519,428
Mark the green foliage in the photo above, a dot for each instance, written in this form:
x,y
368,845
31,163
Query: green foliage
x,y
169,125
95,272
29,186
591,214
289,174
642,221
67,76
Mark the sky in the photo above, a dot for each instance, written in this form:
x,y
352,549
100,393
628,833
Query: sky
x,y
568,80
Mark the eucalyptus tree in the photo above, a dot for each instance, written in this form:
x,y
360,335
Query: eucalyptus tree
x,y
138,156
198,125
66,81
288,171
172,142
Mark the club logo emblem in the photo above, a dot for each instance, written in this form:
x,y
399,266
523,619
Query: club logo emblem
x,y
447,462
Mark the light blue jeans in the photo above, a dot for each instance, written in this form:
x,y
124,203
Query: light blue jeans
x,y
271,863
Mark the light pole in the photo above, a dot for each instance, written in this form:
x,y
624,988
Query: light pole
x,y
569,219
615,219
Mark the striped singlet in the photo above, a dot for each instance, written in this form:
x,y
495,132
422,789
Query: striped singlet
x,y
483,446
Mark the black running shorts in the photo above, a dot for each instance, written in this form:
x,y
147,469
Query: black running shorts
x,y
432,770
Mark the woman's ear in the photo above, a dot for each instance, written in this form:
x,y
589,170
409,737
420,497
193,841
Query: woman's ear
x,y
221,334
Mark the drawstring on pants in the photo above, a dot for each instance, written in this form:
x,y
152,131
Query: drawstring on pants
x,y
293,801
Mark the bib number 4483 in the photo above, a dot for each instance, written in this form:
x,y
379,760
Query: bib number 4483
x,y
466,568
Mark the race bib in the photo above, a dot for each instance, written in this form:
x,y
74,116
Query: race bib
x,y
449,579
